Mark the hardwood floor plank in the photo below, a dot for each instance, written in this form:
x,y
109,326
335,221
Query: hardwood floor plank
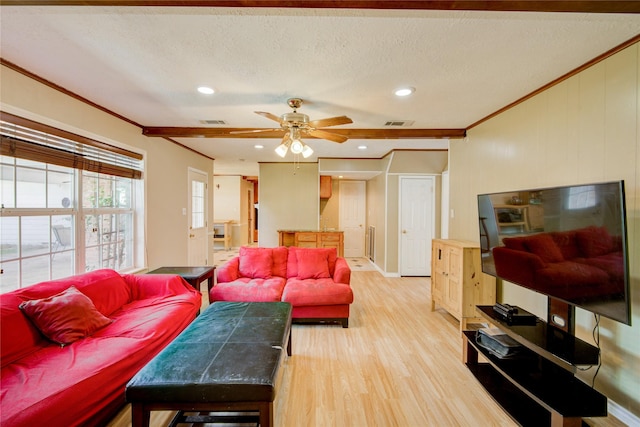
x,y
398,364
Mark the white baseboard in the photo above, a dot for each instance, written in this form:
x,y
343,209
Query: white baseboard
x,y
622,414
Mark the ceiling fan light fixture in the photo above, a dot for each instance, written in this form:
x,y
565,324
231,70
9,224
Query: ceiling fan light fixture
x,y
281,150
307,151
297,146
405,91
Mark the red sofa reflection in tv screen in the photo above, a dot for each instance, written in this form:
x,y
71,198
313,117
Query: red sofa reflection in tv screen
x,y
572,265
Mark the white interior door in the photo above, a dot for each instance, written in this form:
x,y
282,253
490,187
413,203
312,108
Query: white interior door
x,y
352,202
197,237
417,203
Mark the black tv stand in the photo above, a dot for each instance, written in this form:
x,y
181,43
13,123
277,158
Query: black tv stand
x,y
539,388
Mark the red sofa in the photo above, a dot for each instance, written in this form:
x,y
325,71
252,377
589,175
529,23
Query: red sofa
x,y
314,280
577,264
102,327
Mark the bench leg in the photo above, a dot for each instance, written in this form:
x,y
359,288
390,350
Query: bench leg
x,y
266,414
139,415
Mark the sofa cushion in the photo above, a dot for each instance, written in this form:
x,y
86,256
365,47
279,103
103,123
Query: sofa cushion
x,y
313,264
310,292
569,273
245,289
292,261
544,246
65,317
280,255
515,243
18,335
594,241
256,263
566,242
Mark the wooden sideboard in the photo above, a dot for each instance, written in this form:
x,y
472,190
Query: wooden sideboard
x,y
457,281
312,239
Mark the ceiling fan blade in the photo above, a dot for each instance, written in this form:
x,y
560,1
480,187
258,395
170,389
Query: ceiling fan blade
x,y
322,134
236,132
332,121
269,116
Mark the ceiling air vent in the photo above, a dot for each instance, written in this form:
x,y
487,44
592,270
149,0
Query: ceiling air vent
x,y
399,123
213,122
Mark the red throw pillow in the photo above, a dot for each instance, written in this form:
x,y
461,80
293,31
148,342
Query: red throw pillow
x,y
313,264
255,263
544,246
65,317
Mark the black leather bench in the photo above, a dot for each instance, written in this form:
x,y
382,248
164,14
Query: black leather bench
x,y
227,360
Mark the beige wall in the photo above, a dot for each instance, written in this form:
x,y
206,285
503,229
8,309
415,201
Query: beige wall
x,y
289,200
166,164
586,129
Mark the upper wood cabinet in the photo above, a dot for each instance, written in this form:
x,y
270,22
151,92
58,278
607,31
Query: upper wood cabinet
x,y
325,187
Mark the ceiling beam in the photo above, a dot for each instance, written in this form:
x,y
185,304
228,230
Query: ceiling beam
x,y
589,6
200,132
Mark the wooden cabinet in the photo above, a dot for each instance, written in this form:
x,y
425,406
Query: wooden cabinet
x,y
331,240
325,187
457,281
312,239
306,239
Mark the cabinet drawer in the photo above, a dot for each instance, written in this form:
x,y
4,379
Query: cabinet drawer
x,y
330,237
306,237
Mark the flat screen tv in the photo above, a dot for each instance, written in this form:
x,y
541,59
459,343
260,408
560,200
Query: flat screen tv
x,y
568,243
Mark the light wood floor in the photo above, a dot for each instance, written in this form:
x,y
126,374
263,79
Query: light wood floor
x,y
398,364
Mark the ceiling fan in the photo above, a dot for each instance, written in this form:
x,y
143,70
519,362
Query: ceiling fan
x,y
297,125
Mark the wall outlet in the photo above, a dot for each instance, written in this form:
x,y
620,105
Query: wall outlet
x,y
184,211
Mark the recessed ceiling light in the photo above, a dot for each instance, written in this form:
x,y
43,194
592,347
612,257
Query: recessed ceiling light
x,y
206,90
405,91
258,146
362,147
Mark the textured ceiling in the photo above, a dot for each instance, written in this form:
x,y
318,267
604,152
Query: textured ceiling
x,y
144,63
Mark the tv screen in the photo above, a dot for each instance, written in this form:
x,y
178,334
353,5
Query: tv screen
x,y
568,243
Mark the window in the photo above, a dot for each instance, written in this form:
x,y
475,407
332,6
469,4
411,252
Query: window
x,y
197,204
582,197
58,220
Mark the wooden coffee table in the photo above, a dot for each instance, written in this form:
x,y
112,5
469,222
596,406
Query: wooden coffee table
x,y
227,360
192,275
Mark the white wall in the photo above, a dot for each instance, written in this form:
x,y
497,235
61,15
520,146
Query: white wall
x,y
585,129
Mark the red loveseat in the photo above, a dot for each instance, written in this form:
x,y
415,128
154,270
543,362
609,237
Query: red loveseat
x,y
576,264
314,280
102,327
